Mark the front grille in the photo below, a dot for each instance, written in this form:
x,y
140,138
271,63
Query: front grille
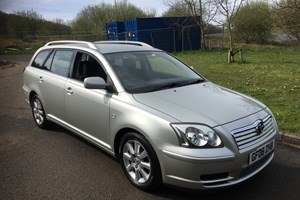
x,y
249,135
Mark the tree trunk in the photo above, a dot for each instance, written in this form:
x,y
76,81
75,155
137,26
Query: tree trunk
x,y
230,37
230,56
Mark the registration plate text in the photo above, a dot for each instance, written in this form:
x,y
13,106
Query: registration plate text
x,y
261,152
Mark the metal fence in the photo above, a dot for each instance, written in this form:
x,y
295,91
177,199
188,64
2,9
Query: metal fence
x,y
169,39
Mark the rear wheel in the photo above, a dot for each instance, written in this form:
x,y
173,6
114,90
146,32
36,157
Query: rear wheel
x,y
139,162
38,113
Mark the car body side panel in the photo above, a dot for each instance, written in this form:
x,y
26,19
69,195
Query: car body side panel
x,y
30,81
153,124
88,110
52,89
49,87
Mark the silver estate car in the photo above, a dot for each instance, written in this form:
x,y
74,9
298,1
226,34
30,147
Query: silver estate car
x,y
165,123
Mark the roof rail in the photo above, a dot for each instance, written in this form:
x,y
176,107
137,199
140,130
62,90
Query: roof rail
x,y
89,44
124,42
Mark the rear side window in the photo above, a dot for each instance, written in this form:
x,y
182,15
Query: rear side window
x,y
62,61
40,58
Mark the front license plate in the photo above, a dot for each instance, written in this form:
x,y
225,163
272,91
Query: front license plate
x,y
261,152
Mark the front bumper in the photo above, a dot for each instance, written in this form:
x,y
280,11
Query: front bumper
x,y
207,173
217,167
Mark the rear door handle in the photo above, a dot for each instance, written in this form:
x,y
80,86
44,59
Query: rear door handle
x,y
41,79
69,91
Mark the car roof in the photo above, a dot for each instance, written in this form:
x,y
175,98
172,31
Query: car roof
x,y
106,47
114,48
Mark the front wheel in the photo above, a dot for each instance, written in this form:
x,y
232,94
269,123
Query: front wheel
x,y
139,162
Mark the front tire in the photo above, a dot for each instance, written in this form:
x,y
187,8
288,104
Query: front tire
x,y
139,162
38,113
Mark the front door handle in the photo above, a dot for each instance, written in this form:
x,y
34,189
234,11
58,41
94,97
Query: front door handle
x,y
69,91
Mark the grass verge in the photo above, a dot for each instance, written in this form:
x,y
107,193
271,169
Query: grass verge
x,y
270,74
17,47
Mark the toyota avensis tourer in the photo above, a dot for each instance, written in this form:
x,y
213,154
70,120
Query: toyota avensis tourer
x,y
165,123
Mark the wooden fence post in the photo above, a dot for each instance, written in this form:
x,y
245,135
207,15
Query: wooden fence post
x,y
241,56
229,56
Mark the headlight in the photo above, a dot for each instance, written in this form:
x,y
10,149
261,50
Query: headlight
x,y
194,135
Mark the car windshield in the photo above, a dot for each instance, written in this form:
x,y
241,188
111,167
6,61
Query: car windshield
x,y
142,72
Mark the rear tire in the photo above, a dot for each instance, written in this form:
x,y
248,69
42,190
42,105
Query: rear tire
x,y
139,162
38,113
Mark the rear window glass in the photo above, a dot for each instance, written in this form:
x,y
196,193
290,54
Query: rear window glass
x,y
61,62
40,58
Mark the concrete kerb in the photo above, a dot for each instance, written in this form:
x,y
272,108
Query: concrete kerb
x,y
289,139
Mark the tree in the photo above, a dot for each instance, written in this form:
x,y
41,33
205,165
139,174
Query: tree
x,y
203,12
57,27
229,9
30,21
3,23
30,25
287,17
252,22
92,19
177,9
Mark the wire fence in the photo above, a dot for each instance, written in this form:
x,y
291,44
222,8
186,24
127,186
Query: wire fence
x,y
178,38
169,39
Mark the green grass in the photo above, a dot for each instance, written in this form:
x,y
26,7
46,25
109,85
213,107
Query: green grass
x,y
17,47
270,74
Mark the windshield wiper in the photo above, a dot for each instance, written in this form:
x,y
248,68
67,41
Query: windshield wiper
x,y
175,84
191,82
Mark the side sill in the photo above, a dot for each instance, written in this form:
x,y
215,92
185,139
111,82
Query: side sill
x,y
106,147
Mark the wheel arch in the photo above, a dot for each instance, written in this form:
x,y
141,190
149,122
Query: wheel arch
x,y
31,95
119,136
148,146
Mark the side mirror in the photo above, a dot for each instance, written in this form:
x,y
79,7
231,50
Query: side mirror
x,y
94,83
191,67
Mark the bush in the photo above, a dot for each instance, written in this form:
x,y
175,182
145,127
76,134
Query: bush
x,y
253,23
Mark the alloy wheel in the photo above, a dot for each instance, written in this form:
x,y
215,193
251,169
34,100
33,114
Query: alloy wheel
x,y
136,161
38,111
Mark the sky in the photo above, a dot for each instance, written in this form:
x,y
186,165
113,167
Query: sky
x,y
68,9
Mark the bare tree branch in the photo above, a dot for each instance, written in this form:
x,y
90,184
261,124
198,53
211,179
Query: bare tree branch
x,y
229,8
203,11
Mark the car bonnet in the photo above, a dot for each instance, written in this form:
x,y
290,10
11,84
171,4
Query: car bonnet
x,y
204,103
